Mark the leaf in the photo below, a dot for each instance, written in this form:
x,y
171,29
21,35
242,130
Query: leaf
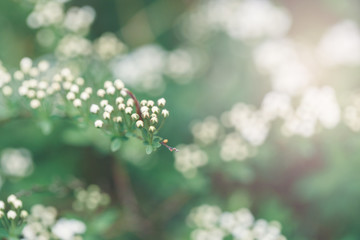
x,y
149,149
102,222
115,144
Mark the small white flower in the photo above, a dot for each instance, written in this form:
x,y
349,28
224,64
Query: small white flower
x,y
119,100
30,93
134,116
152,129
119,84
11,198
110,90
165,113
84,96
101,92
74,88
23,90
155,109
25,64
98,123
79,81
104,102
56,86
40,94
144,109
154,120
88,90
106,115
24,214
143,102
2,205
66,229
139,124
130,102
128,110
145,115
35,103
77,103
109,108
108,84
18,75
17,203
34,72
66,73
43,85
121,106
57,78
43,65
117,119
94,108
150,103
11,215
70,96
7,90
161,102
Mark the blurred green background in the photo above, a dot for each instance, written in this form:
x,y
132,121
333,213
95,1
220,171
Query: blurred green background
x,y
308,184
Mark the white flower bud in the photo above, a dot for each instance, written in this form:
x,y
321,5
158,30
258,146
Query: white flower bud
x,y
165,113
143,102
139,124
104,102
101,92
34,72
121,106
152,129
57,78
110,90
150,103
108,84
7,90
18,75
118,84
106,115
119,100
35,103
24,214
154,120
117,119
84,96
11,215
109,108
43,65
25,64
70,96
134,116
88,90
40,94
130,102
2,205
161,102
74,88
79,81
94,108
155,109
67,85
77,103
11,198
23,90
98,123
17,203
128,110
145,115
30,93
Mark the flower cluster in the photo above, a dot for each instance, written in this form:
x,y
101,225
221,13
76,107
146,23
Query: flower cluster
x,y
211,223
189,159
113,108
12,215
90,199
16,162
42,224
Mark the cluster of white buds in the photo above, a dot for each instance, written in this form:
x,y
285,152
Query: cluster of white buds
x,y
12,214
113,107
90,199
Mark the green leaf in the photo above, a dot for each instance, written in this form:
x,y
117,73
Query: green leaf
x,y
115,144
149,149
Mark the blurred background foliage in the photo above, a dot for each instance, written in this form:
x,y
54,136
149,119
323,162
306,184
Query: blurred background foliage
x,y
308,184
